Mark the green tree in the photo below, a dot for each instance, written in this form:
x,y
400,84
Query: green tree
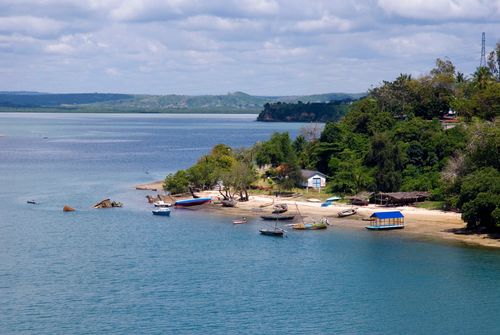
x,y
176,183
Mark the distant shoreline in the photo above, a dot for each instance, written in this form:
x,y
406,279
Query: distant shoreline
x,y
420,223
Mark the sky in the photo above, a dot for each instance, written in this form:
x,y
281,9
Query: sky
x,y
261,47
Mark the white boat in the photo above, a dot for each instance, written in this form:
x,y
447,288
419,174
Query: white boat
x,y
161,203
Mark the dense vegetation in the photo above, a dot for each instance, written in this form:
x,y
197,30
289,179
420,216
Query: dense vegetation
x,y
304,112
397,138
237,102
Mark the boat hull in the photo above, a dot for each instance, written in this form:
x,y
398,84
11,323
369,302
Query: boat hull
x,y
273,232
277,217
161,212
192,202
385,227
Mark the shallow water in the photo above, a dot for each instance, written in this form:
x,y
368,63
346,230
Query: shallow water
x,y
125,271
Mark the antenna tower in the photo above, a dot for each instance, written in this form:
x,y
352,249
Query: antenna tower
x,y
482,63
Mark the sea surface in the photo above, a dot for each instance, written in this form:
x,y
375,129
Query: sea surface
x,y
123,271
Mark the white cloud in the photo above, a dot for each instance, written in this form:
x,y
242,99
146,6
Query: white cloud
x,y
29,25
442,9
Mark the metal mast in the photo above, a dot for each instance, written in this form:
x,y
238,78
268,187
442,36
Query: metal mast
x,y
482,63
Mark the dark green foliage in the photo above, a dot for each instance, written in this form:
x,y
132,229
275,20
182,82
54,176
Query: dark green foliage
x,y
479,197
304,112
176,183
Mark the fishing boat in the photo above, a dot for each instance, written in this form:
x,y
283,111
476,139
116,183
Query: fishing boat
x,y
162,211
272,232
346,212
192,202
323,224
277,217
240,221
161,203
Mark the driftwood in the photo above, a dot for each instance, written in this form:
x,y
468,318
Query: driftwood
x,y
159,197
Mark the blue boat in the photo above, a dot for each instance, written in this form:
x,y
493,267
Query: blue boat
x,y
192,202
163,211
387,221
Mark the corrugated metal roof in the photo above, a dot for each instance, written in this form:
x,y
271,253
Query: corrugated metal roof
x,y
387,215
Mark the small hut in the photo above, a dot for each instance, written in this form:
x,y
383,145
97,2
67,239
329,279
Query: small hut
x,y
387,220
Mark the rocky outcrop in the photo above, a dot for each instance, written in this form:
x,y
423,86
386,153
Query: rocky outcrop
x,y
107,203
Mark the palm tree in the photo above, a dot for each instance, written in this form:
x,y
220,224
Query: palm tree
x,y
481,77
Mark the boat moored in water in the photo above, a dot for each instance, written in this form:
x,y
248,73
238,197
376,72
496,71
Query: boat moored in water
x,y
240,221
272,232
162,211
161,203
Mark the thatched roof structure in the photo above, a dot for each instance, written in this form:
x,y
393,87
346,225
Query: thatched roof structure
x,y
399,198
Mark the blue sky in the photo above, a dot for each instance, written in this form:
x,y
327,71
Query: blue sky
x,y
264,47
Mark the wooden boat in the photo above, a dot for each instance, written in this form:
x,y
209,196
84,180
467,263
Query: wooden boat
x,y
161,203
346,212
240,221
277,217
272,232
280,208
192,202
311,226
162,211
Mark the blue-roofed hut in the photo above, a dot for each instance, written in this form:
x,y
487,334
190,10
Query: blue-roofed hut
x,y
387,220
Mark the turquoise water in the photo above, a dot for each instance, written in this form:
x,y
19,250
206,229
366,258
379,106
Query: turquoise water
x,y
126,271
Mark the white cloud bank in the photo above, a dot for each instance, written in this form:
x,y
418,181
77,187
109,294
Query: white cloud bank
x,y
215,46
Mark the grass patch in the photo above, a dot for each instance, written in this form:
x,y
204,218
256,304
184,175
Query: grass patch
x,y
434,205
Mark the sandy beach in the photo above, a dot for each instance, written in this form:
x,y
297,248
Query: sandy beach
x,y
420,223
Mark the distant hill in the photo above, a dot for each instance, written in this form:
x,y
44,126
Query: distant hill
x,y
237,102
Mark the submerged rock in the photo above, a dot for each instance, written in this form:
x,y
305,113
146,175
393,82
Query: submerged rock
x,y
67,208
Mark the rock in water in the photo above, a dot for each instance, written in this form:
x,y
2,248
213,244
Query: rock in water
x,y
67,208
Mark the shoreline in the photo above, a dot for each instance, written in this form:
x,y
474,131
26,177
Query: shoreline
x,y
420,223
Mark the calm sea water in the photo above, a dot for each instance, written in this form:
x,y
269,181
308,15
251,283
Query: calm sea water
x,y
125,271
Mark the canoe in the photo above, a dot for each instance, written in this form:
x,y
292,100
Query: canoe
x,y
346,212
278,217
272,232
192,202
163,211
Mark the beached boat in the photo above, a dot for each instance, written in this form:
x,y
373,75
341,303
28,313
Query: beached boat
x,y
280,208
161,203
240,221
347,212
162,211
277,217
192,202
272,232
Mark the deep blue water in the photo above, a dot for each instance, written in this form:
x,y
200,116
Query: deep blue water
x,y
125,271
